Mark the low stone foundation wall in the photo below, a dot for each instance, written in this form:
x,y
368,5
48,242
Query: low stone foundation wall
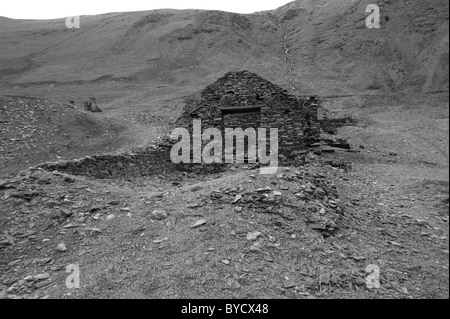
x,y
141,162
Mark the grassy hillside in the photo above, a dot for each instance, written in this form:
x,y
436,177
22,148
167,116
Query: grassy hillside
x,y
331,46
149,61
134,60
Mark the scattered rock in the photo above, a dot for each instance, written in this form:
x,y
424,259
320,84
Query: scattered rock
x,y
159,214
160,241
335,280
253,236
171,223
92,232
96,209
189,262
42,261
42,284
359,258
288,284
256,250
5,243
66,213
61,248
360,281
199,223
13,263
422,222
42,276
325,277
3,184
268,259
394,243
70,226
280,291
196,188
414,268
68,178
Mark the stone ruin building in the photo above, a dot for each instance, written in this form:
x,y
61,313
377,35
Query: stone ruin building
x,y
246,100
237,100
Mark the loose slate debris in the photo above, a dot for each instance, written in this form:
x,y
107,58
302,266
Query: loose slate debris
x,y
159,214
199,223
316,202
294,213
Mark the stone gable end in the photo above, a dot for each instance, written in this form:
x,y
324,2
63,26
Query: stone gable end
x,y
246,100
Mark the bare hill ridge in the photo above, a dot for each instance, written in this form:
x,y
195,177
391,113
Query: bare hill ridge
x,y
151,60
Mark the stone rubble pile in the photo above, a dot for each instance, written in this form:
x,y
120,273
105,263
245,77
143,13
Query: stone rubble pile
x,y
312,199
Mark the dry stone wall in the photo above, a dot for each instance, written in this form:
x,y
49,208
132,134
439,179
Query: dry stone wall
x,y
145,161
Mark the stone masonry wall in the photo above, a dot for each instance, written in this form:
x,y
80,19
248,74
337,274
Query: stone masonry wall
x,y
144,161
296,119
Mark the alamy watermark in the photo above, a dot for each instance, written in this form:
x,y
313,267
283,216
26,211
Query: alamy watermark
x,y
73,280
373,20
214,152
73,22
373,280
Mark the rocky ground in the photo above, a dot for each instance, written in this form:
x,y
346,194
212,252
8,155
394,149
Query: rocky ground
x,y
34,131
308,232
375,199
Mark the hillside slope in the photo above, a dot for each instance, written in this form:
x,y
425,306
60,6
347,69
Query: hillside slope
x,y
332,49
33,131
150,61
135,59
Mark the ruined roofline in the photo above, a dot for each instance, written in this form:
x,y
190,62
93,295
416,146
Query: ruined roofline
x,y
247,74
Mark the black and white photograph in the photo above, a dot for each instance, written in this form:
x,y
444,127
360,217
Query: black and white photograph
x,y
224,158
